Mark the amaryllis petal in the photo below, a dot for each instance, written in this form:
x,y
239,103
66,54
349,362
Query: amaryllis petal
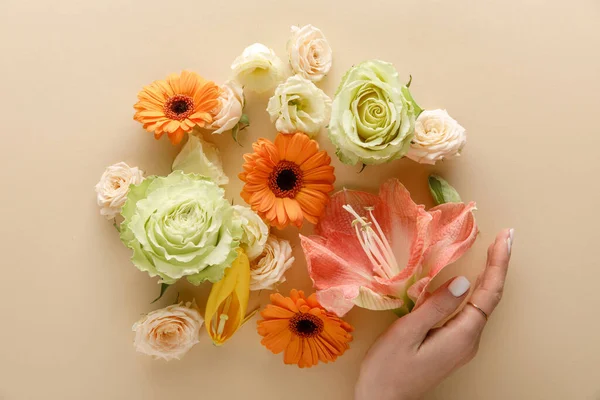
x,y
339,299
336,219
337,260
407,222
452,232
417,288
382,252
371,300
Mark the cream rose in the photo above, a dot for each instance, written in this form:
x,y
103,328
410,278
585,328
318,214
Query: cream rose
x,y
437,137
258,68
232,105
309,52
267,271
299,106
113,187
170,332
255,233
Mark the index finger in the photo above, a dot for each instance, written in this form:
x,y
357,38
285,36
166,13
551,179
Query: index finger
x,y
488,293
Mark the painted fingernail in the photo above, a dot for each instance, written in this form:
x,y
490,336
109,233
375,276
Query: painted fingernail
x,y
509,241
459,286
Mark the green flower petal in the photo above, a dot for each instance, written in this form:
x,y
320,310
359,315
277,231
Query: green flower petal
x,y
372,121
181,225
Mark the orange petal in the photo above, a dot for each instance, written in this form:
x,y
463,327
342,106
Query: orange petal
x,y
176,136
277,342
311,218
172,126
282,217
319,159
272,311
173,81
273,155
301,148
322,174
310,204
292,208
272,326
321,187
271,214
282,142
267,202
293,351
284,302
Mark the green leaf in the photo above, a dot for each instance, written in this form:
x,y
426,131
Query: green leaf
x,y
442,192
408,95
243,123
163,289
234,134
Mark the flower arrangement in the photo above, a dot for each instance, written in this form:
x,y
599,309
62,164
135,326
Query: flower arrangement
x,y
375,251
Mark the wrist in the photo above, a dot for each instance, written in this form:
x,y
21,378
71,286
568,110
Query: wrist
x,y
370,392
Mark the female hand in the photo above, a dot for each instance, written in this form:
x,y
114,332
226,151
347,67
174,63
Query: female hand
x,y
412,357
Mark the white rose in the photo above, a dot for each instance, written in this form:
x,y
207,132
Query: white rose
x,y
258,68
255,233
201,157
232,104
266,272
113,187
299,106
437,136
309,52
170,332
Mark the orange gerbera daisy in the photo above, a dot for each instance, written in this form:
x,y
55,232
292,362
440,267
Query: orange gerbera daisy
x,y
177,104
303,330
288,180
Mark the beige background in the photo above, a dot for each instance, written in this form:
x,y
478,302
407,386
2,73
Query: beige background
x,y
521,75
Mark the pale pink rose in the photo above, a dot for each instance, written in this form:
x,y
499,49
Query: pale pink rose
x,y
113,187
382,251
232,106
309,52
267,271
437,137
170,332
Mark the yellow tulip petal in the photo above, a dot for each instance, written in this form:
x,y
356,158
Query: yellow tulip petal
x,y
228,301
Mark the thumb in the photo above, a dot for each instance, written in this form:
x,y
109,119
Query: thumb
x,y
438,306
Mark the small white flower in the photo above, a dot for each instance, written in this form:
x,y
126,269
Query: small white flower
x,y
299,106
170,332
232,105
258,68
113,187
309,52
268,270
255,233
437,137
201,157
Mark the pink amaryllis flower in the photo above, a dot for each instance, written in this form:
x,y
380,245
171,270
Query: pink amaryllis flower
x,y
381,251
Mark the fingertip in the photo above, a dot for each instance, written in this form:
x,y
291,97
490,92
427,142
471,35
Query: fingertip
x,y
509,240
502,247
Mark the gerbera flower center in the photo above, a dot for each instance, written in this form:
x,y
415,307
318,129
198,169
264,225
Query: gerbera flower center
x,y
286,179
306,325
179,107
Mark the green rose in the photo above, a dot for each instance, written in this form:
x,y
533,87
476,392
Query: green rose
x,y
180,225
373,115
